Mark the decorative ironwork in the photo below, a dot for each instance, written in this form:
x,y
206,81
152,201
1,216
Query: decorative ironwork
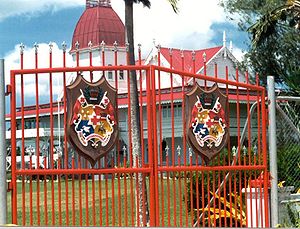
x,y
64,46
207,130
92,128
22,47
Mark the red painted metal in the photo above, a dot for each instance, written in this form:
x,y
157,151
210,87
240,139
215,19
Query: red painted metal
x,y
13,150
23,137
179,188
66,166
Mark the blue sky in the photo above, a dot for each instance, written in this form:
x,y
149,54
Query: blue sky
x,y
44,27
55,22
198,25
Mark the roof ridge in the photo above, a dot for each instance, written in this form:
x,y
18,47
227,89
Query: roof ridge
x,y
196,50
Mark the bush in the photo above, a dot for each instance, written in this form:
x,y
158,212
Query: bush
x,y
288,165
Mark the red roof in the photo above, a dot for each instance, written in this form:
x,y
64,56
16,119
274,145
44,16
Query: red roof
x,y
98,24
188,60
32,112
45,110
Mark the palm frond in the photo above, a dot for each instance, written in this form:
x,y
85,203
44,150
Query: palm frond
x,y
174,4
146,3
266,25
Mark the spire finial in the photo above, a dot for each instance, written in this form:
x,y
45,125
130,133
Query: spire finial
x,y
90,44
115,44
230,46
224,38
204,57
64,46
102,46
194,55
50,47
154,42
158,47
22,47
167,150
224,44
36,47
77,45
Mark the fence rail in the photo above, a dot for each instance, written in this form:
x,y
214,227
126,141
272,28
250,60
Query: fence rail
x,y
173,185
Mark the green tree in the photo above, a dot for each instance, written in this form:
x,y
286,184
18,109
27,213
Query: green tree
x,y
134,102
273,27
270,23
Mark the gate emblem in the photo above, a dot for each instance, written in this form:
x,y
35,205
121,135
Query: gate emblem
x,y
92,127
207,128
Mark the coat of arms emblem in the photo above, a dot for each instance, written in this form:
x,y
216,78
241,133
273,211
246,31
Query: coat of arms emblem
x,y
91,124
207,129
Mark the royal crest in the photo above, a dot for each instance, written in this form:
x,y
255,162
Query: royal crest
x,y
92,126
207,128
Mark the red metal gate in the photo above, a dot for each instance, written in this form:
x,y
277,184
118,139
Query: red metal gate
x,y
52,185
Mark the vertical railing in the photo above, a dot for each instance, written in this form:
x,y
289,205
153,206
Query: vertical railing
x,y
13,149
179,191
23,139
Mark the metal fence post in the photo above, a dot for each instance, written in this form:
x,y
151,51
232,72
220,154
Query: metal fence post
x,y
273,151
3,205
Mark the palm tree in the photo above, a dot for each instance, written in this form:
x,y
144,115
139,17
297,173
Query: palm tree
x,y
134,103
269,24
281,26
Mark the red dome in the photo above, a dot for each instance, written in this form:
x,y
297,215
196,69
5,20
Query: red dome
x,y
97,24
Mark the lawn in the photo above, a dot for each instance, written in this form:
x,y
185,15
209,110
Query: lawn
x,y
106,202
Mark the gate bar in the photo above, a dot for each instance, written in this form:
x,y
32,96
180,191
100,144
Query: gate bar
x,y
233,166
273,151
2,145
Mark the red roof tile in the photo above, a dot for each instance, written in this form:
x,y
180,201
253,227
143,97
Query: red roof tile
x,y
188,60
98,24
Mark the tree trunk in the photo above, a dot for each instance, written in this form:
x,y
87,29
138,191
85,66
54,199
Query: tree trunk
x,y
135,120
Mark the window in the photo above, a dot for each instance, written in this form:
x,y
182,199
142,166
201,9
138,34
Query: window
x,y
167,111
121,74
110,74
30,124
177,110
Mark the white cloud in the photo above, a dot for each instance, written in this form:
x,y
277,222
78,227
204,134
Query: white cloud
x,y
238,53
12,62
189,29
33,7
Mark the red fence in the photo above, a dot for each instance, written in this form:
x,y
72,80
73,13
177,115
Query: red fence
x,y
172,186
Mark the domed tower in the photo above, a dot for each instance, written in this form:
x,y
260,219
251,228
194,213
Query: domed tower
x,y
99,24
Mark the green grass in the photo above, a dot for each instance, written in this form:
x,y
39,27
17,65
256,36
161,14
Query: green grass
x,y
96,209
